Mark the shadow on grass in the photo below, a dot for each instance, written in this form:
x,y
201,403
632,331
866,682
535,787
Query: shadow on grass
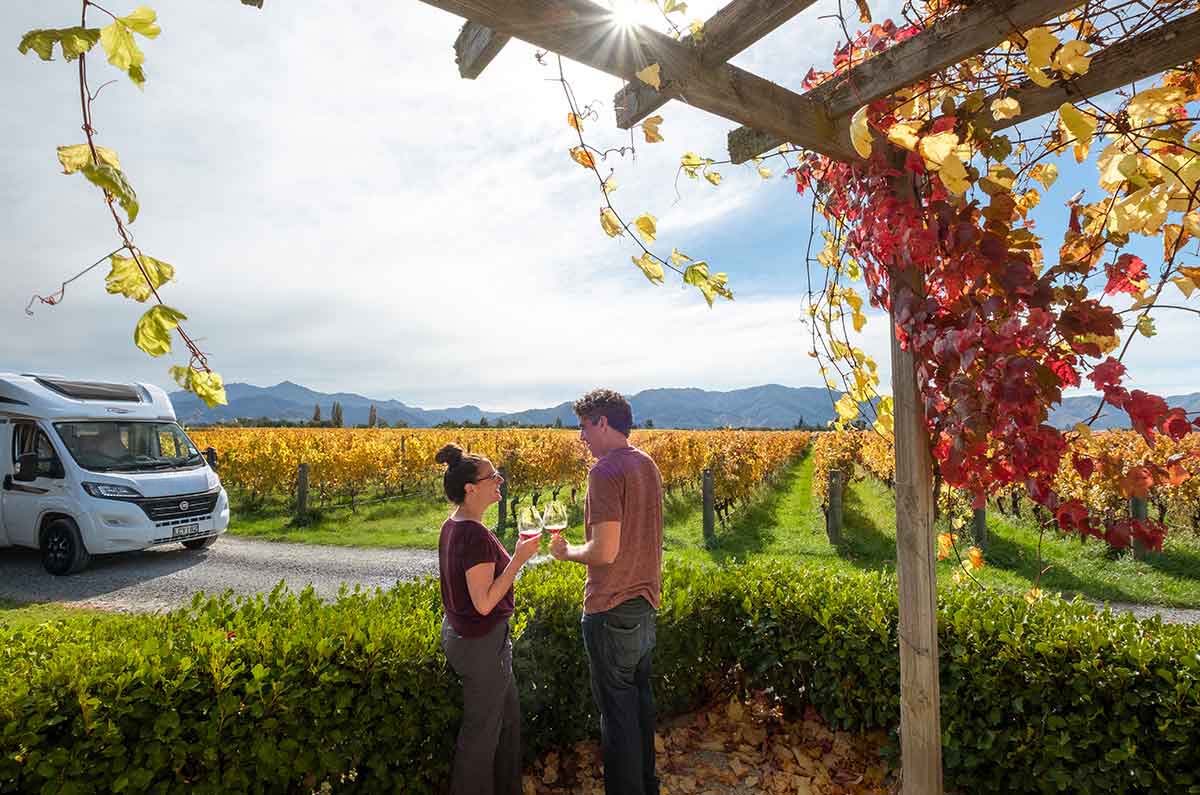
x,y
867,542
752,528
1176,562
1022,558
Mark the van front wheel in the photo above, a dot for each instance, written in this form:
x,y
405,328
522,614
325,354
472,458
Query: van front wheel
x,y
63,551
200,543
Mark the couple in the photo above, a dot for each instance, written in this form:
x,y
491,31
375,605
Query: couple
x,y
623,555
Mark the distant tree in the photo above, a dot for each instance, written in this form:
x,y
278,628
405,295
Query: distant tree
x,y
382,424
372,417
649,423
335,415
558,422
483,422
316,420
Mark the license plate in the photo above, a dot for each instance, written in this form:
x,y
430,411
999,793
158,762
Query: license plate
x,y
185,530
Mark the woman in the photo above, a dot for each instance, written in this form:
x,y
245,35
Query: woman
x,y
477,578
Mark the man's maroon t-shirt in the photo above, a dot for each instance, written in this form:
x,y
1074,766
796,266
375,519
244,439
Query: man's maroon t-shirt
x,y
462,546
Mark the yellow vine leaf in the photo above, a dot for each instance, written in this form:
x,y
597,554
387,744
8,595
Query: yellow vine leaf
x,y
583,157
945,542
710,286
208,386
1033,595
1185,285
764,172
846,408
884,416
123,52
609,223
153,331
697,30
1072,58
1191,223
650,129
954,174
1037,76
609,185
713,176
650,267
75,157
1078,125
651,76
113,182
904,134
691,163
1155,105
126,278
144,21
1145,326
1040,44
646,226
936,148
860,133
678,258
1045,173
574,122
1005,108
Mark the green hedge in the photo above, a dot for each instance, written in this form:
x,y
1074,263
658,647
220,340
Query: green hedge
x,y
283,693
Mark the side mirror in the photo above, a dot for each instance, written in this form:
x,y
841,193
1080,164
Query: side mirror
x,y
27,464
210,455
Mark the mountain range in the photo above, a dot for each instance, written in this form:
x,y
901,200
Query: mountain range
x,y
767,406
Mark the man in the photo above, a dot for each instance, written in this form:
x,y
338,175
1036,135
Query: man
x,y
623,554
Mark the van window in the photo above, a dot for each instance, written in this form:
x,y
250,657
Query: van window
x,y
29,438
128,446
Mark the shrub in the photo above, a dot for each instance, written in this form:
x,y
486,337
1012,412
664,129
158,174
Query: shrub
x,y
282,693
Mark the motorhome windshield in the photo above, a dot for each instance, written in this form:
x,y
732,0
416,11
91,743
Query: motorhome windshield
x,y
122,446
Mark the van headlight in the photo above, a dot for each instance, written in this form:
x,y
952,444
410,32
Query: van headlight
x,y
109,491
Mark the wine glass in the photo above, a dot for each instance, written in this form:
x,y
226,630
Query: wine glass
x,y
555,517
529,522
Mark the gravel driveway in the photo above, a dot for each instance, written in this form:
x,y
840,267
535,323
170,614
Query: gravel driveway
x,y
166,577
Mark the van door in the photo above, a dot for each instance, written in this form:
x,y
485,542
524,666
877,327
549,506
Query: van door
x,y
23,502
5,470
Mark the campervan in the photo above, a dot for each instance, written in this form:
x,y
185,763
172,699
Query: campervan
x,y
91,468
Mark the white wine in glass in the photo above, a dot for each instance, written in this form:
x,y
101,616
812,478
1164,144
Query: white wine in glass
x,y
529,522
555,517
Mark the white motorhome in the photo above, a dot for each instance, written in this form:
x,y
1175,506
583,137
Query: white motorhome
x,y
92,468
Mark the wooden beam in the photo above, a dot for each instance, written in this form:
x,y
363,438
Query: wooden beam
x,y
585,32
730,31
475,48
947,42
1138,57
916,565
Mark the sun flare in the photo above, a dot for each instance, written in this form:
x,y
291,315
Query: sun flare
x,y
632,13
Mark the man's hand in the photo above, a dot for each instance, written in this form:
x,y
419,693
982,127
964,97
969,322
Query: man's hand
x,y
558,547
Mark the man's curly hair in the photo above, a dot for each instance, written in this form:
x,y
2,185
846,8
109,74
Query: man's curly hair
x,y
606,403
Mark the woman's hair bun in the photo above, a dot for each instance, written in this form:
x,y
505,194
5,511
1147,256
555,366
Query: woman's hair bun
x,y
451,455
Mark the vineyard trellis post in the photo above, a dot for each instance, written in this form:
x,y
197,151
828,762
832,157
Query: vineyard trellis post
x,y
710,521
834,515
695,72
301,493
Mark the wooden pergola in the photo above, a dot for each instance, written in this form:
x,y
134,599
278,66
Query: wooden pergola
x,y
698,74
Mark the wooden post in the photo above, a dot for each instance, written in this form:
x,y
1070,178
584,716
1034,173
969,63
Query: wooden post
x,y
1139,508
833,518
710,522
979,531
503,520
302,493
920,693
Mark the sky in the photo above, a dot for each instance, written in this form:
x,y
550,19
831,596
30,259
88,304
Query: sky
x,y
343,211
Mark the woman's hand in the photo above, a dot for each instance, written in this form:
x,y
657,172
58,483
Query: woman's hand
x,y
526,549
